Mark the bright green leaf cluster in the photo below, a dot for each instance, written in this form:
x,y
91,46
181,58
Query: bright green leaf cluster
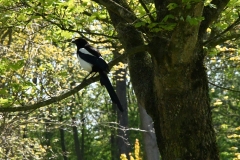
x,y
194,20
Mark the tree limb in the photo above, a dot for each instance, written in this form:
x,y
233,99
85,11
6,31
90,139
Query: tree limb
x,y
74,90
118,9
222,40
51,100
211,14
229,28
147,10
229,89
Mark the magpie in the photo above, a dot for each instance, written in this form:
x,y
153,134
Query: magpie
x,y
91,60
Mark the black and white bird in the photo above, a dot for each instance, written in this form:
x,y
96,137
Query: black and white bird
x,y
91,60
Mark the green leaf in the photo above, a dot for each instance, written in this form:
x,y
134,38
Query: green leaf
x,y
18,65
27,85
139,24
16,86
172,6
3,91
64,73
152,25
4,101
194,20
66,34
168,27
170,16
102,16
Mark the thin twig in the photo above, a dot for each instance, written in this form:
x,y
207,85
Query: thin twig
x,y
223,87
147,10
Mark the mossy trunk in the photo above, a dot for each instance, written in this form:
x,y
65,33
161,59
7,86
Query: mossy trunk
x,y
170,82
181,112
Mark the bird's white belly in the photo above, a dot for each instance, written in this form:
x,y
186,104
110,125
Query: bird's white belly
x,y
85,65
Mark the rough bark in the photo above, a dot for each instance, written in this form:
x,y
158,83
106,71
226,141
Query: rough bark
x,y
182,107
182,110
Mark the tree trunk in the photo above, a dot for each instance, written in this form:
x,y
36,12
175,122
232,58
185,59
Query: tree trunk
x,y
76,140
75,130
113,142
48,133
182,112
62,139
122,117
175,89
172,83
151,151
83,137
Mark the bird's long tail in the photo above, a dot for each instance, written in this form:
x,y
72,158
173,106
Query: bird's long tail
x,y
104,80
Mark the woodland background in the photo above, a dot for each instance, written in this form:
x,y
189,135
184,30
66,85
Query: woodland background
x,y
43,115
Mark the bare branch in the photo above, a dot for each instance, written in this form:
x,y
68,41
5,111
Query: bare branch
x,y
229,28
232,90
147,11
118,9
223,39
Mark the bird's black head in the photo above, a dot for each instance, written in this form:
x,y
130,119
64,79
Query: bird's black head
x,y
80,42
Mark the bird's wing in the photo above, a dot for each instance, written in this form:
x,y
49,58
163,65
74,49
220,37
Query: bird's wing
x,y
98,63
92,50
